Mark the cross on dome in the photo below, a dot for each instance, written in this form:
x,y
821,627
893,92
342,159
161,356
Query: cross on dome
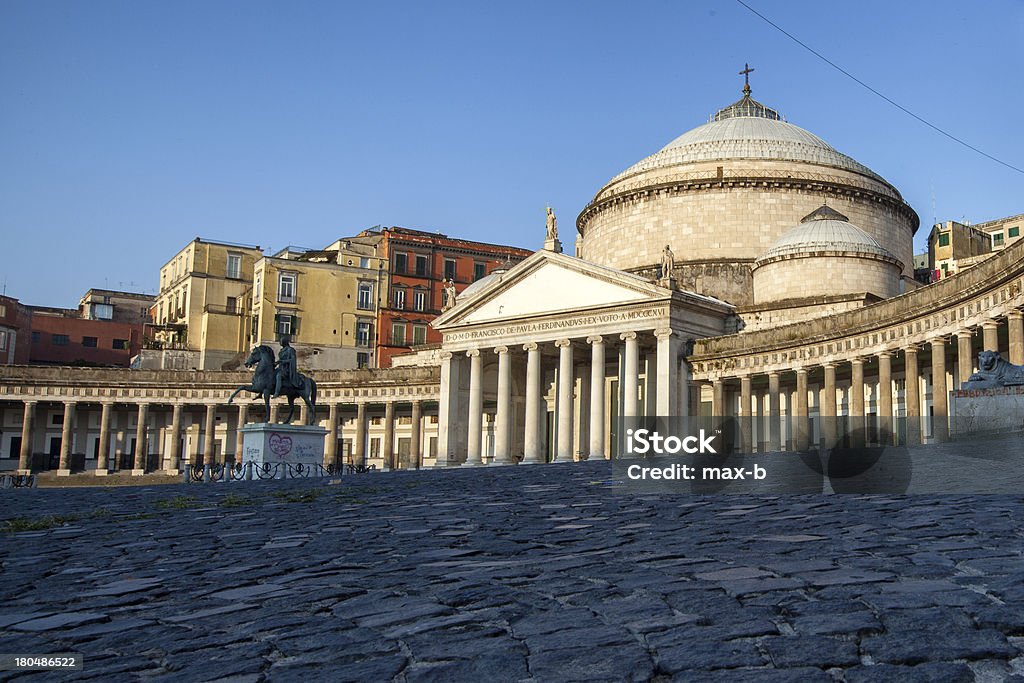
x,y
746,78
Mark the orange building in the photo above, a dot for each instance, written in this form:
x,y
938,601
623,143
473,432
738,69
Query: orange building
x,y
418,264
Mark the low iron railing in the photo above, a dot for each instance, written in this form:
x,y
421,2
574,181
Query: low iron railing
x,y
252,471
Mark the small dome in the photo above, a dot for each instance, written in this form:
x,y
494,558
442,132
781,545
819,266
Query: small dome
x,y
825,229
476,287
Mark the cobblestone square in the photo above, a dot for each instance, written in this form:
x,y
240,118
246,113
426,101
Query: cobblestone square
x,y
540,573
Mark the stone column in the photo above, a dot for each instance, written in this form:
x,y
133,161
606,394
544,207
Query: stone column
x,y
389,437
856,417
27,428
174,464
102,466
596,398
360,455
885,431
474,451
913,395
503,417
746,421
1015,327
683,387
243,415
331,447
532,447
141,434
449,422
630,375
801,426
208,429
964,356
827,411
416,438
66,437
940,396
668,384
566,381
990,332
774,413
718,408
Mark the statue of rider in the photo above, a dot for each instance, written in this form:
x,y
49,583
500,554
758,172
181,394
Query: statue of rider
x,y
287,370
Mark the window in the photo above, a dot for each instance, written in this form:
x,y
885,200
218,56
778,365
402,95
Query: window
x,y
362,360
286,288
419,300
121,344
364,331
59,340
286,323
232,306
364,262
401,261
419,334
3,310
997,239
364,300
398,334
449,269
257,286
36,337
89,342
398,297
479,270
102,311
1014,232
421,265
943,239
3,340
234,266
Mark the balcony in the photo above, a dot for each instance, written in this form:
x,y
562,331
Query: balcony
x,y
221,310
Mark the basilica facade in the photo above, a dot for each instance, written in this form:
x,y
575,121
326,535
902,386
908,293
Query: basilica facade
x,y
746,269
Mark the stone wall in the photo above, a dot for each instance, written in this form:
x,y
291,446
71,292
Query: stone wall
x,y
827,274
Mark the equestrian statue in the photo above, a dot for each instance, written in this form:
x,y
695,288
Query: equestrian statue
x,y
279,378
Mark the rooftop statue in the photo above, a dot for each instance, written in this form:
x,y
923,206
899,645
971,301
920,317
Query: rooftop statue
x,y
552,233
668,262
994,372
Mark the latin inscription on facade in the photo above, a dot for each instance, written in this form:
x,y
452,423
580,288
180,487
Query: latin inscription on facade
x,y
566,323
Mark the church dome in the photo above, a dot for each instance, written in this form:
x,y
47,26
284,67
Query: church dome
x,y
825,229
725,192
747,130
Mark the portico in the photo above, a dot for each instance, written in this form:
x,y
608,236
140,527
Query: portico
x,y
539,360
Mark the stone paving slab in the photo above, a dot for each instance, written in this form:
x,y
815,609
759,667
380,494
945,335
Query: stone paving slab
x,y
542,573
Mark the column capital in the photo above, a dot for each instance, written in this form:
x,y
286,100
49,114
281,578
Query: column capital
x,y
446,355
831,364
912,348
1015,315
473,353
801,371
530,346
595,339
990,324
500,350
935,341
627,336
966,333
562,343
31,402
70,401
857,360
663,333
774,373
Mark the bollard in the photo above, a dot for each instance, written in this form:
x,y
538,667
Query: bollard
x,y
206,474
187,474
247,468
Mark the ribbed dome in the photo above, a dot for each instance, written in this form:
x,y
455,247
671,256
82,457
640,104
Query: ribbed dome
x,y
825,229
747,129
471,291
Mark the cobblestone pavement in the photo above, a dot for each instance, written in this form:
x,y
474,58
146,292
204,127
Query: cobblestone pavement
x,y
536,573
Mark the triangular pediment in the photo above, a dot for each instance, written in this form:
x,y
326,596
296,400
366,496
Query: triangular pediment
x,y
548,282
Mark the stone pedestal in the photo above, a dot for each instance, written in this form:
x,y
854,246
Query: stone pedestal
x,y
63,473
999,409
554,245
266,442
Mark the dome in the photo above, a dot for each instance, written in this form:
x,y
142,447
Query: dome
x,y
825,229
747,129
475,288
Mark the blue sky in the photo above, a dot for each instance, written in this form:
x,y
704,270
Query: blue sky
x,y
129,128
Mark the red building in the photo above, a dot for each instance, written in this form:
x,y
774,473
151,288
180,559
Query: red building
x,y
419,263
15,332
61,337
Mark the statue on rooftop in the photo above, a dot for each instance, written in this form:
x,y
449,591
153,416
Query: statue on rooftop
x,y
552,226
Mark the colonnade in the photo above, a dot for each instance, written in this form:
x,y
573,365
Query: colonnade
x,y
159,428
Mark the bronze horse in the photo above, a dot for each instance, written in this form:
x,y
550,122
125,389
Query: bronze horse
x,y
264,379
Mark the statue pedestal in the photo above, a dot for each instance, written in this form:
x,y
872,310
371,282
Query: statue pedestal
x,y
998,409
554,245
264,442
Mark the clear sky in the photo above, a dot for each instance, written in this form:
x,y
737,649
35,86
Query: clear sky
x,y
129,128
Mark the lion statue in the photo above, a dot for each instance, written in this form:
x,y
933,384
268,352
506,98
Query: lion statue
x,y
994,371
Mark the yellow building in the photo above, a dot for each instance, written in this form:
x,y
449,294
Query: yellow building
x,y
1002,231
326,301
199,316
953,246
